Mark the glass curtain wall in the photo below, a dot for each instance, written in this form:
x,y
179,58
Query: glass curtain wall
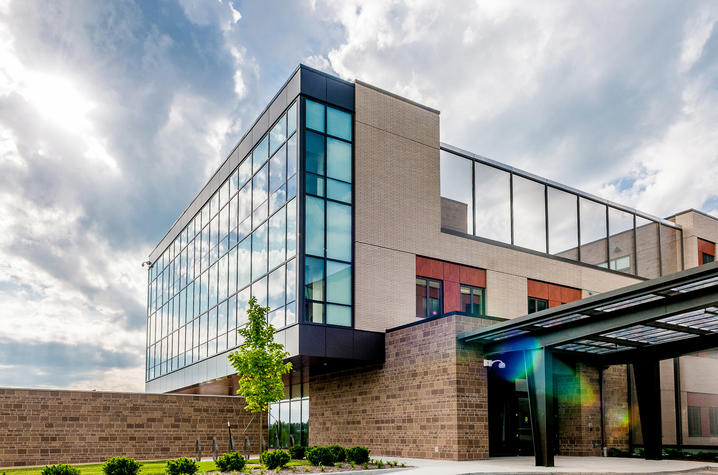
x,y
242,243
516,208
328,218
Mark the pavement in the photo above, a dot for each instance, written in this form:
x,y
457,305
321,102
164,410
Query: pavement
x,y
563,464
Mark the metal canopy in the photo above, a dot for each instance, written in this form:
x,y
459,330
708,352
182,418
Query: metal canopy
x,y
664,317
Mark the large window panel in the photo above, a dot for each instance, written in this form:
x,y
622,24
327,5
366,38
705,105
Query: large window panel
x,y
529,214
244,263
277,238
314,153
339,315
339,277
314,115
278,169
339,123
278,134
621,242
314,226
647,261
291,228
492,202
339,160
593,232
259,290
260,154
259,252
456,202
339,231
277,288
313,278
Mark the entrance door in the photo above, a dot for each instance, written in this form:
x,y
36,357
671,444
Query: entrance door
x,y
509,414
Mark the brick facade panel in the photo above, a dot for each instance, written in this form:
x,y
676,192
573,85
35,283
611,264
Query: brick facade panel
x,y
46,427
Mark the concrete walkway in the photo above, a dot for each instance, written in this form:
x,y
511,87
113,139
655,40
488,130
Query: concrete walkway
x,y
525,465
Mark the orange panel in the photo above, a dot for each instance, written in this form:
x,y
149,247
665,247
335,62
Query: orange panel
x,y
537,289
706,247
471,276
429,268
554,292
451,272
452,296
569,295
553,303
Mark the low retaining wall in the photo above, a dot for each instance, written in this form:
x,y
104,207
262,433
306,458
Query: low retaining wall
x,y
39,427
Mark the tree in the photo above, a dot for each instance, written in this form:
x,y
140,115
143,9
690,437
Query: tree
x,y
259,361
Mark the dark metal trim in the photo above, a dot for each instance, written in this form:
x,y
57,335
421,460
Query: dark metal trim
x,y
677,400
439,317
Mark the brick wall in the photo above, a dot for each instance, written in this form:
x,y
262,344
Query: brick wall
x,y
430,392
41,427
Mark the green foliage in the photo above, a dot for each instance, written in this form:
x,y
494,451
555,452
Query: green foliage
x,y
358,454
365,465
339,452
60,469
274,458
182,466
297,452
231,462
320,456
121,466
259,361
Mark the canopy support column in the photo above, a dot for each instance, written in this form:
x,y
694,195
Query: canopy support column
x,y
648,392
539,376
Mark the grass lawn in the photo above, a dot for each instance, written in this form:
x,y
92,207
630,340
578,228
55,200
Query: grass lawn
x,y
148,468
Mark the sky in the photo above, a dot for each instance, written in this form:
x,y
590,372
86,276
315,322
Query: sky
x,y
113,115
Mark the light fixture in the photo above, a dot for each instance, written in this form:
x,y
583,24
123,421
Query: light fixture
x,y
490,363
147,263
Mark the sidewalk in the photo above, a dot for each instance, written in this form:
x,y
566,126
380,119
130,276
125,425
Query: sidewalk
x,y
564,464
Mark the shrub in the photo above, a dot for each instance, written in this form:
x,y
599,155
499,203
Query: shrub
x,y
60,469
358,455
231,462
121,466
274,459
339,453
320,456
182,466
297,452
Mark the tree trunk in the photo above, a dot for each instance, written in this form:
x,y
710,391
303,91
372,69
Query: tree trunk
x,y
261,424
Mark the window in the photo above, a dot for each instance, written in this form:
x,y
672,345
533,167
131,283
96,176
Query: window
x,y
694,421
536,304
472,300
428,298
707,258
713,418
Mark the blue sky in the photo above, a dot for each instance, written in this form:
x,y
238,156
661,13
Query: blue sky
x,y
113,114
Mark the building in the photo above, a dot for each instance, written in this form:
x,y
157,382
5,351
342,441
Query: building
x,y
386,256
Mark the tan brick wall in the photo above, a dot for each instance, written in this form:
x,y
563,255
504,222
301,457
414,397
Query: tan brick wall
x,y
39,427
398,216
695,225
430,392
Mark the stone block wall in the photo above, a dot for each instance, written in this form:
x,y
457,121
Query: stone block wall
x,y
39,427
428,400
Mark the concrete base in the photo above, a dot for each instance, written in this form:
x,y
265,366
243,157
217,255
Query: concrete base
x,y
564,464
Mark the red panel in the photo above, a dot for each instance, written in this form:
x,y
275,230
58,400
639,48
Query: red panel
x,y
429,268
570,295
452,296
706,247
473,277
451,272
553,303
537,289
554,292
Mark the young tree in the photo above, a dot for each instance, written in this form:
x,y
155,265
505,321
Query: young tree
x,y
259,361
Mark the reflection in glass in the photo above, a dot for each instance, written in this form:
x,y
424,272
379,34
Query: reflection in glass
x,y
278,134
314,226
562,224
456,203
339,315
276,288
259,252
314,116
314,158
621,256
593,232
292,119
314,278
244,262
339,123
259,290
277,236
277,169
260,154
493,203
339,231
291,280
529,214
291,228
339,160
339,277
